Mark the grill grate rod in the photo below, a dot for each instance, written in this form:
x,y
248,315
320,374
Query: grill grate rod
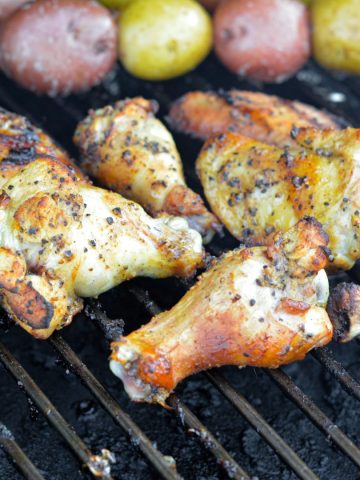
x,y
21,460
113,408
98,466
190,420
244,407
261,426
349,384
313,412
187,417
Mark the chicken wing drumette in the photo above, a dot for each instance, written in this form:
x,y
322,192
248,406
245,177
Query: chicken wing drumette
x,y
62,239
126,148
256,189
21,143
259,306
256,115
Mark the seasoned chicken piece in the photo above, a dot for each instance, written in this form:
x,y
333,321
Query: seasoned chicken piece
x,y
265,118
61,239
260,306
129,150
22,143
344,311
256,189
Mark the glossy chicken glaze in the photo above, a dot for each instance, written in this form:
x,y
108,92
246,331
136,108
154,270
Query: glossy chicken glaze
x,y
260,306
256,189
127,149
265,118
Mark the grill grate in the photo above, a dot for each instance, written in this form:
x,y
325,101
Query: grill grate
x,y
59,117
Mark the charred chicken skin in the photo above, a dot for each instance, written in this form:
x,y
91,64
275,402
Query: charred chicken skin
x,y
21,143
265,118
126,148
259,306
256,189
344,311
62,239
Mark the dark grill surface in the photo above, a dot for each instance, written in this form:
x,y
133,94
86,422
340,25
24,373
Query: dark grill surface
x,y
258,419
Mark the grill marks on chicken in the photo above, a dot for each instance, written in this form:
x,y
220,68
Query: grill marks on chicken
x,y
256,189
130,151
265,118
21,143
259,306
62,239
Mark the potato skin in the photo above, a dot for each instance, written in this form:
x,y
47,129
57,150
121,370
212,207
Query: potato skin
x,y
58,46
265,40
162,39
336,34
7,7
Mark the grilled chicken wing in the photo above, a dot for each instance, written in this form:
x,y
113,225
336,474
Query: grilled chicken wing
x,y
256,189
129,150
344,311
265,118
260,306
62,239
22,143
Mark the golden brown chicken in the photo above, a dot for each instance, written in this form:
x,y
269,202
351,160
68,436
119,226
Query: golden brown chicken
x,y
126,148
256,189
61,239
344,311
266,118
22,143
260,306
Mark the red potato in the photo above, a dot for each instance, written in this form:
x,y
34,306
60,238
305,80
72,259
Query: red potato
x,y
58,46
7,7
265,40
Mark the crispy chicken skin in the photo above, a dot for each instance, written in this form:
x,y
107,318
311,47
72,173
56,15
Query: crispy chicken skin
x,y
265,118
126,148
22,143
259,306
62,239
256,189
344,311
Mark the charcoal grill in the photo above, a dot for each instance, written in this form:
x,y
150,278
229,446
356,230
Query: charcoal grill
x,y
252,429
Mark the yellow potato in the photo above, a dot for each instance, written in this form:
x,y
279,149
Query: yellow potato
x,y
162,39
336,34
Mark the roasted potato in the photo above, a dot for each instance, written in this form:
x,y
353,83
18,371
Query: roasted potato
x,y
336,34
265,40
161,39
58,46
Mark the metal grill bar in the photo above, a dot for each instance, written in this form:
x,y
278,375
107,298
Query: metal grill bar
x,y
209,441
97,465
314,413
261,426
21,460
113,408
349,384
224,459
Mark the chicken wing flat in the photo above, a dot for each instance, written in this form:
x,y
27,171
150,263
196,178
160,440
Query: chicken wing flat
x,y
259,306
265,118
126,148
256,189
22,143
62,239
